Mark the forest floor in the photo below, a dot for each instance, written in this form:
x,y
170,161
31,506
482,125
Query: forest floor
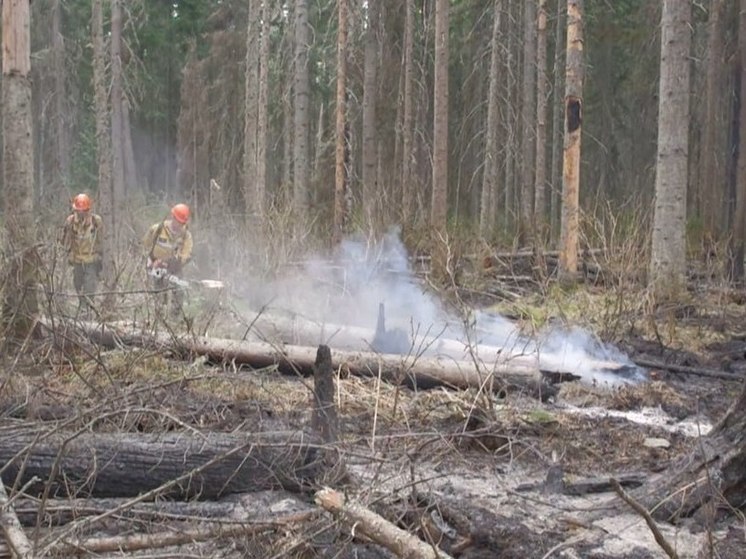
x,y
433,461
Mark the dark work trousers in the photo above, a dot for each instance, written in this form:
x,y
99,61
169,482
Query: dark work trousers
x,y
85,281
167,290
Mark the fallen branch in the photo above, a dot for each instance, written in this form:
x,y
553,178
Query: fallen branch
x,y
12,529
712,373
377,528
639,509
170,538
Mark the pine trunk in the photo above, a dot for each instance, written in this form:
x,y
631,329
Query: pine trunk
x,y
370,98
103,138
301,116
117,122
20,300
540,174
568,261
262,116
738,240
62,143
408,190
668,257
340,174
528,122
439,207
556,185
251,105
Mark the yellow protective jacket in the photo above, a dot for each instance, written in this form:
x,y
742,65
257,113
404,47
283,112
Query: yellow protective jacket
x,y
161,243
83,238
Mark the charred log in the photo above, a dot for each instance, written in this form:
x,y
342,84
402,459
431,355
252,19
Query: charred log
x,y
180,465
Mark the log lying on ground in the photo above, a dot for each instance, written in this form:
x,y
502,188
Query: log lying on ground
x,y
276,327
186,465
421,372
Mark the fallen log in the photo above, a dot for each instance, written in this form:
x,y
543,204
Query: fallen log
x,y
420,372
278,328
202,466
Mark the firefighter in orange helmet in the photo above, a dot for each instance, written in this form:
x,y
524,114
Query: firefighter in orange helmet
x,y
82,238
168,245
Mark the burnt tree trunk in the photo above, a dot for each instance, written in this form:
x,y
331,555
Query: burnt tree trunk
x,y
185,465
325,419
712,474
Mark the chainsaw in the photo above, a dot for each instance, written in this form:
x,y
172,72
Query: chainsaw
x,y
162,273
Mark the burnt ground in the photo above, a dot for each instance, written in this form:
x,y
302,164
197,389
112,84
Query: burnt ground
x,y
446,465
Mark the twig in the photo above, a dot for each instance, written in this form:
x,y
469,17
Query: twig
x,y
639,509
12,529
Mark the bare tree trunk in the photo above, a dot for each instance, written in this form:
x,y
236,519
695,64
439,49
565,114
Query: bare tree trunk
x,y
510,122
710,184
528,121
301,97
20,301
668,257
439,208
574,72
117,122
131,180
103,138
340,174
251,107
262,116
739,227
62,143
490,172
540,174
408,193
370,98
556,184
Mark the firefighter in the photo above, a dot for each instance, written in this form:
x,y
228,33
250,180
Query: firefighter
x,y
82,238
168,245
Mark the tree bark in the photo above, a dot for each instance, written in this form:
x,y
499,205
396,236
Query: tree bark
x,y
714,472
301,116
710,184
738,240
117,123
528,122
370,98
574,72
540,174
439,204
262,112
668,256
408,190
186,465
556,185
491,169
251,108
20,303
422,372
340,172
377,528
325,419
103,140
62,142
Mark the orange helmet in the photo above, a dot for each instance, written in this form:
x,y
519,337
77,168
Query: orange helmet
x,y
180,212
82,203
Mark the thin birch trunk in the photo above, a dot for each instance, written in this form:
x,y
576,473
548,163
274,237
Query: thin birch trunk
x,y
408,193
540,174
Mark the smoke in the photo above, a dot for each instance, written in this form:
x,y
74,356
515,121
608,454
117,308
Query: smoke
x,y
371,285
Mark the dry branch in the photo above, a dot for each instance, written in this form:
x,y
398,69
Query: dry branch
x,y
135,542
12,529
377,528
185,465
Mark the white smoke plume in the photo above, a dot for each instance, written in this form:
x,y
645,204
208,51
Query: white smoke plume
x,y
349,290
